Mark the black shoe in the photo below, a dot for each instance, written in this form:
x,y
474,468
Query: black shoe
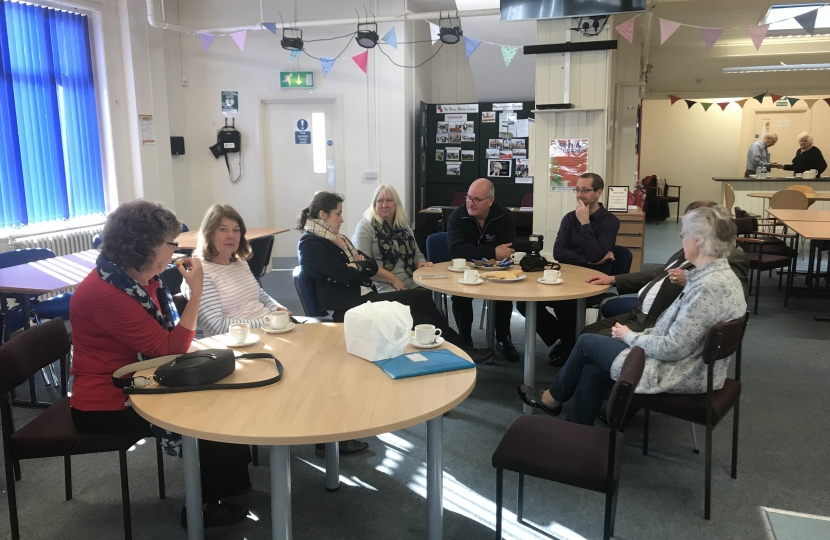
x,y
558,354
508,351
533,397
478,355
347,448
218,514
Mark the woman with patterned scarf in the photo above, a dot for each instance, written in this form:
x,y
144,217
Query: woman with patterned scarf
x,y
122,312
343,275
384,235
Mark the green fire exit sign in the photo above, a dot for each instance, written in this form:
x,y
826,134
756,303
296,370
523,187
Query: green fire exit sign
x,y
296,79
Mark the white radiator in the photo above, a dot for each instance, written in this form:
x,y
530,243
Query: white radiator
x,y
60,242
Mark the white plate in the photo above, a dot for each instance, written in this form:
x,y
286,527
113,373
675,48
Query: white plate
x,y
557,282
288,328
451,269
490,268
497,280
478,282
435,344
252,338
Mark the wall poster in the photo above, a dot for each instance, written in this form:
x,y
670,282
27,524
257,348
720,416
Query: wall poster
x,y
568,160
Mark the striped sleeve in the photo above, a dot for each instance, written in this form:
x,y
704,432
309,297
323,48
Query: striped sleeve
x,y
266,300
211,319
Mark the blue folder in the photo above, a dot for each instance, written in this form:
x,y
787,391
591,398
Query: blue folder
x,y
423,363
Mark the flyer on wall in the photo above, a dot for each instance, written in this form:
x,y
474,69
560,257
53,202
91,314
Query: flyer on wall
x,y
499,167
568,159
618,198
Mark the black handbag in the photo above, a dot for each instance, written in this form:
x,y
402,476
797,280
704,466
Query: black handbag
x,y
190,372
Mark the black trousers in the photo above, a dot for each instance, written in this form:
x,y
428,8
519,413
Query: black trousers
x,y
421,307
462,310
550,328
224,466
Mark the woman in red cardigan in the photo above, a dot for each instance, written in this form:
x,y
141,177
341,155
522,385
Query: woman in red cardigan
x,y
122,312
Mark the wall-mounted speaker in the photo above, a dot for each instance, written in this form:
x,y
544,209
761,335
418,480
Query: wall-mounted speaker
x,y
177,146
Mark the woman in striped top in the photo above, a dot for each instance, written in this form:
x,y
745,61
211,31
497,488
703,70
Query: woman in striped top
x,y
230,294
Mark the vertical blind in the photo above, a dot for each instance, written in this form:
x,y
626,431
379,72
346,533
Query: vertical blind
x,y
50,156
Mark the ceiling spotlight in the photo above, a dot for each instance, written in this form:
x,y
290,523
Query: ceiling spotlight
x,y
450,34
367,35
292,39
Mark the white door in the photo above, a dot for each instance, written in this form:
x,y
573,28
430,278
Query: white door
x,y
294,177
787,125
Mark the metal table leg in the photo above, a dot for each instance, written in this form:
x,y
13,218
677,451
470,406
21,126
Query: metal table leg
x,y
581,306
281,492
530,348
490,329
193,489
435,478
332,466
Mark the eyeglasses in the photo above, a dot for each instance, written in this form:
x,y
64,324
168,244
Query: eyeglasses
x,y
583,190
476,200
174,244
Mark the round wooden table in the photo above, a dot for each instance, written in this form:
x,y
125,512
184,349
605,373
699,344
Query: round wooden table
x,y
528,290
811,197
325,395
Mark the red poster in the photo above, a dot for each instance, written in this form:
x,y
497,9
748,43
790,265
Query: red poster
x,y
568,160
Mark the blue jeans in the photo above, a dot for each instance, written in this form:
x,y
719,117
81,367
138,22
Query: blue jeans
x,y
586,376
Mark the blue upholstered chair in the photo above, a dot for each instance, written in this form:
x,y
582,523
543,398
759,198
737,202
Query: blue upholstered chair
x,y
307,293
438,250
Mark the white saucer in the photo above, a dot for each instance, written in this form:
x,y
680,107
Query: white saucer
x,y
435,344
543,282
477,282
252,338
451,269
288,328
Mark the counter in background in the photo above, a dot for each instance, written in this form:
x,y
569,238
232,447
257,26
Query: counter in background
x,y
754,205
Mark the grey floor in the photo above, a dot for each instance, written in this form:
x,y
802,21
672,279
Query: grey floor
x,y
782,459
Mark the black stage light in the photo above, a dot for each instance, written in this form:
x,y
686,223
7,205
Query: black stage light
x,y
292,42
450,34
367,35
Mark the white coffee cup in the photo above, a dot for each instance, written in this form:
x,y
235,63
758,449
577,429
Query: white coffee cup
x,y
277,320
798,175
518,256
425,334
551,276
470,276
239,332
458,264
812,173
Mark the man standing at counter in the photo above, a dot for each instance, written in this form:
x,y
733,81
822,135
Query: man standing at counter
x,y
758,155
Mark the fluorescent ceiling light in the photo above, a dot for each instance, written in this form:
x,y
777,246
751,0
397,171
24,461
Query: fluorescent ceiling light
x,y
780,17
767,69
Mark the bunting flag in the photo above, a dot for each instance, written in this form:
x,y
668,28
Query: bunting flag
x,y
667,28
271,27
775,97
689,102
361,60
434,32
757,34
808,21
326,63
810,103
239,39
471,44
827,100
674,99
626,30
508,52
706,105
723,104
710,36
742,102
391,38
760,97
294,54
793,100
207,39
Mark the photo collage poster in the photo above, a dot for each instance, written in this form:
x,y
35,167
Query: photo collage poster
x,y
456,127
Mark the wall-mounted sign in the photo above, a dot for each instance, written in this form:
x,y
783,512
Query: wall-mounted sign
x,y
296,79
466,108
302,135
230,102
507,106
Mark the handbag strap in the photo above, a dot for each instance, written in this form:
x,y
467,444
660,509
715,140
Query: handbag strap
x,y
135,385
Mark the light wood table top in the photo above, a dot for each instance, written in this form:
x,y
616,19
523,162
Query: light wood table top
x,y
529,289
800,215
48,275
187,240
812,197
811,230
325,394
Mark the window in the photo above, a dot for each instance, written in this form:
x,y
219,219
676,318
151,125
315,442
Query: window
x,y
50,155
779,17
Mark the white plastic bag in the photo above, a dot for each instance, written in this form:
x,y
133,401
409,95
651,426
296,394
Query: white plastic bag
x,y
379,330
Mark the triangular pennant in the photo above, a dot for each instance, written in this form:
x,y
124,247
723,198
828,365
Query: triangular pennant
x,y
706,105
826,100
667,28
239,39
689,102
295,54
391,38
434,32
793,101
471,44
361,60
626,30
810,102
326,63
757,34
741,102
775,97
710,36
271,27
808,21
759,98
723,104
207,39
674,99
508,52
